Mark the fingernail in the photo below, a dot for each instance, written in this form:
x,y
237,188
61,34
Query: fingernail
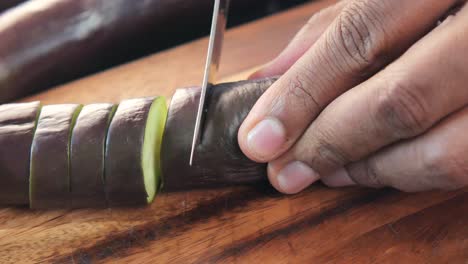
x,y
296,176
339,178
266,138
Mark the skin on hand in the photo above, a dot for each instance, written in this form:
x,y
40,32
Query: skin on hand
x,y
372,97
303,40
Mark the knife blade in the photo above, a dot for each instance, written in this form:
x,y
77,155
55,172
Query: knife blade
x,y
218,27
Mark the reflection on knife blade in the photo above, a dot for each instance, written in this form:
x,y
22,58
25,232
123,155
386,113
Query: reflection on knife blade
x,y
218,26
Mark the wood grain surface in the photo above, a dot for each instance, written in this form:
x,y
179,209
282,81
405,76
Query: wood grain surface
x,y
235,225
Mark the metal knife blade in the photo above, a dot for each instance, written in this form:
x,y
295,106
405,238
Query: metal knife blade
x,y
218,27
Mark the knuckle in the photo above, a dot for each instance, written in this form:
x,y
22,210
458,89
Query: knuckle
x,y
401,109
329,153
366,173
298,91
357,34
371,175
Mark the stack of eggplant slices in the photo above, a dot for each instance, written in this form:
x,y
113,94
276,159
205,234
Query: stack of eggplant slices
x,y
110,155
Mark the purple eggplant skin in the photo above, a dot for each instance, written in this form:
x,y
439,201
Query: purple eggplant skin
x,y
218,160
41,39
123,170
50,163
17,125
48,42
87,156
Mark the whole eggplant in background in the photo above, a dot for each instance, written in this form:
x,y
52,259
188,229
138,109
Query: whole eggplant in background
x,y
48,42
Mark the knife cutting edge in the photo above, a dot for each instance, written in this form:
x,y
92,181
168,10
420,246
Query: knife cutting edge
x,y
218,27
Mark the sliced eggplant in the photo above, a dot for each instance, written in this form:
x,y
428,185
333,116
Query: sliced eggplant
x,y
87,156
218,159
132,170
92,157
17,125
49,176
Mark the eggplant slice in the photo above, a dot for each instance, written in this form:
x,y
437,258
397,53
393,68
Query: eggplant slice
x,y
87,156
17,125
132,170
218,161
102,155
50,163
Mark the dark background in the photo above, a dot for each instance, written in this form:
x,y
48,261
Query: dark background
x,y
240,13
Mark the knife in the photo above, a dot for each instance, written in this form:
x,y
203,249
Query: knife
x,y
218,27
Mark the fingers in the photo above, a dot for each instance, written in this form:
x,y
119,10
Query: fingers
x,y
366,35
411,95
436,160
303,40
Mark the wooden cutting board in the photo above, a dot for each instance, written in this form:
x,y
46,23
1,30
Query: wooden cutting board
x,y
239,225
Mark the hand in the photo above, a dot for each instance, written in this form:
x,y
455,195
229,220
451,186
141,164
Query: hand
x,y
372,93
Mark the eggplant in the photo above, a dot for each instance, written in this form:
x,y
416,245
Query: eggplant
x,y
17,125
218,161
50,163
132,162
48,42
105,155
87,156
41,39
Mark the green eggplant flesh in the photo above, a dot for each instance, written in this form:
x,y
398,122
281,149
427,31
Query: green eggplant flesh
x,y
132,154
